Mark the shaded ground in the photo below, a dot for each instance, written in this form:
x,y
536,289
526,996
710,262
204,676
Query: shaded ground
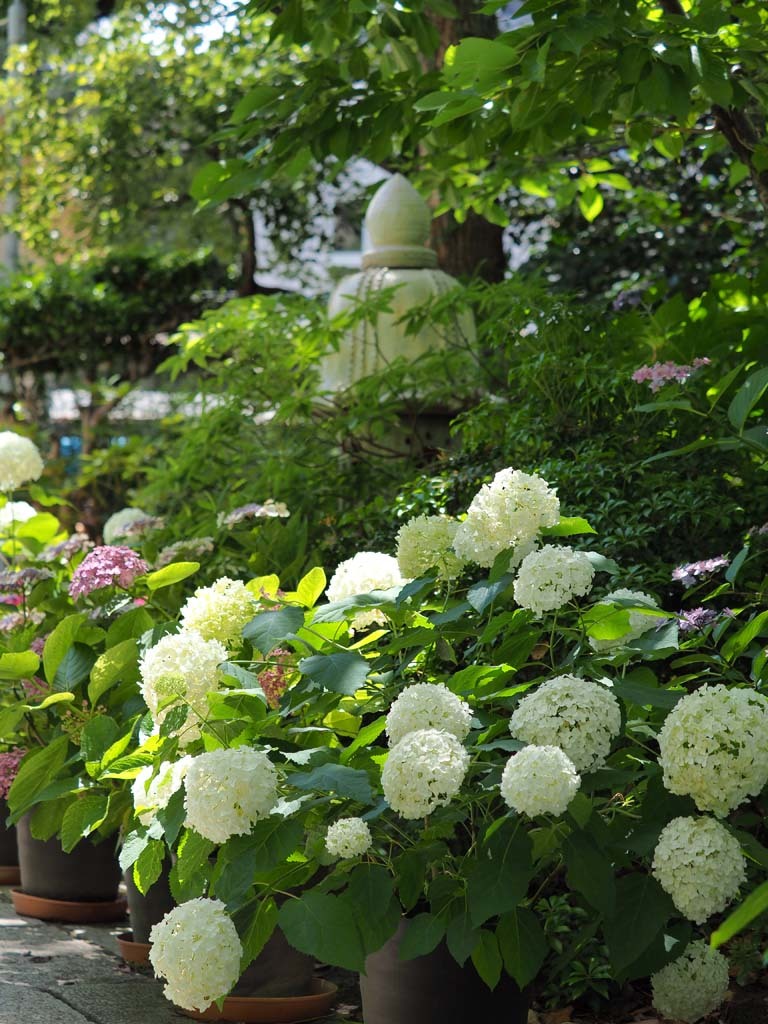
x,y
70,974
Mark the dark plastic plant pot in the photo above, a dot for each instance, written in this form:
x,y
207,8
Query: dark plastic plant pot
x,y
434,989
90,873
148,909
279,970
9,855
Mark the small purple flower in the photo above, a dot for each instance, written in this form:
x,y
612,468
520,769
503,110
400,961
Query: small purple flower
x,y
659,374
17,620
269,510
9,767
19,580
67,549
106,566
38,645
695,619
138,527
687,574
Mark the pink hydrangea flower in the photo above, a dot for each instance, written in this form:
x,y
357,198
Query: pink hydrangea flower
x,y
274,678
659,374
106,566
688,574
9,767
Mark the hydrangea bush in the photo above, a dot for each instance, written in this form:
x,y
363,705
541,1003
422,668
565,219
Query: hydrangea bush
x,y
461,750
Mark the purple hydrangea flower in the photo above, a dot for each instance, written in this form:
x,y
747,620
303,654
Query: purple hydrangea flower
x,y
22,579
66,549
269,510
106,566
9,767
687,574
660,374
696,618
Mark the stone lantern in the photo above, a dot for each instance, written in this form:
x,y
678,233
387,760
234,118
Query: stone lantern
x,y
397,224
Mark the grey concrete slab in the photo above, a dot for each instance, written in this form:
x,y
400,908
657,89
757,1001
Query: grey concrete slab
x,y
23,1004
141,1002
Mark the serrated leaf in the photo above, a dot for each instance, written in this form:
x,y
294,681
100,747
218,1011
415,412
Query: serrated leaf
x,y
423,934
148,866
497,880
38,768
484,593
487,958
311,587
336,778
324,926
20,665
343,672
642,911
119,662
523,945
590,872
568,526
59,642
132,846
269,629
81,818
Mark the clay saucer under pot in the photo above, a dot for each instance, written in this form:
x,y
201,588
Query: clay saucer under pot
x,y
273,1010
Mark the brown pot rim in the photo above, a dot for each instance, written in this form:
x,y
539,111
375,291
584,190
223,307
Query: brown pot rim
x,y
273,1009
70,911
133,952
10,874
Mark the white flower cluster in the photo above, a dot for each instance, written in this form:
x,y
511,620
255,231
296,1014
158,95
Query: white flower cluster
x,y
220,612
197,950
693,985
364,572
700,864
116,527
16,512
714,747
151,795
20,461
577,715
426,542
548,578
639,622
539,780
227,791
427,706
424,771
348,837
186,665
506,513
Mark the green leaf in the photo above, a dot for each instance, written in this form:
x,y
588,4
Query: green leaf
x,y
642,910
235,871
487,958
484,593
132,846
364,738
97,737
311,587
38,768
497,880
739,642
260,926
348,607
254,99
568,526
74,667
754,905
747,397
269,629
131,625
119,662
377,912
590,203
324,926
59,642
590,872
645,695
18,666
605,622
148,866
343,672
461,937
82,817
189,875
170,574
336,778
52,698
523,945
423,934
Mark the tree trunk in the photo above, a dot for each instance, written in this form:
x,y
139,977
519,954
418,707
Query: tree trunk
x,y
473,247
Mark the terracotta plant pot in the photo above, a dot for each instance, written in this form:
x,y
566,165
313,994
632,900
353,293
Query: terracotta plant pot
x,y
434,989
133,952
88,875
70,911
317,1002
148,909
9,856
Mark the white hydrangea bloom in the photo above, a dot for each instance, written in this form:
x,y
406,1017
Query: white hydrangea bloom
x,y
426,542
197,950
184,664
116,526
548,578
639,622
16,512
693,985
151,794
424,771
539,780
227,790
506,513
220,612
714,747
364,572
577,715
20,461
700,864
428,706
348,837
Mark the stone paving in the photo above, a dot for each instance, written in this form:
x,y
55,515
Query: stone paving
x,y
71,974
